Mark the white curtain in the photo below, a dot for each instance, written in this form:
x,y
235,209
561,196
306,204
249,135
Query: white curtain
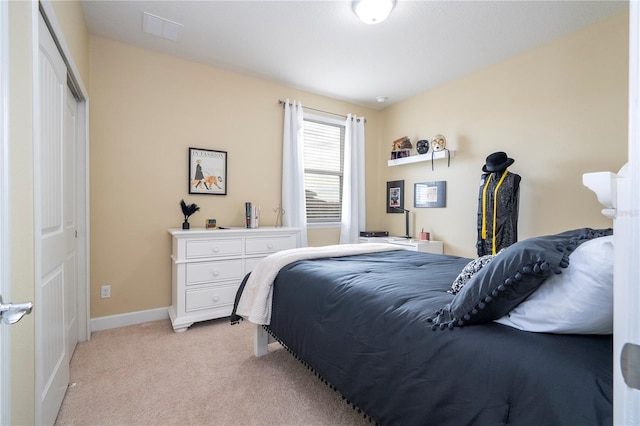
x,y
353,191
293,196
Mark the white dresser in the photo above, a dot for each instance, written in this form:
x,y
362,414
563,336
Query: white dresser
x,y
209,265
435,247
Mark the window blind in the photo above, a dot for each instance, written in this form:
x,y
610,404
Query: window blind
x,y
323,157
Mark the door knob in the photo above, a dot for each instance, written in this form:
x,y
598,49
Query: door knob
x,y
11,313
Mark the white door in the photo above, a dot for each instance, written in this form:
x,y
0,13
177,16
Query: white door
x,y
70,223
55,233
626,337
4,206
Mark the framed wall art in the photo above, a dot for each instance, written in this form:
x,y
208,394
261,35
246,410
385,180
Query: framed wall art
x,y
207,171
430,194
395,196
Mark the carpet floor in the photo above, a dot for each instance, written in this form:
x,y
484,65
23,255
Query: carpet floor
x,y
146,374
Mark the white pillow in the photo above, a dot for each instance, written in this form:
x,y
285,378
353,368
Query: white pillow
x,y
577,301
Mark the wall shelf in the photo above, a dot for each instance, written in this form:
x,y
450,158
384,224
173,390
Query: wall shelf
x,y
420,157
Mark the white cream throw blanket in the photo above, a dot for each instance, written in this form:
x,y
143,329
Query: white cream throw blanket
x,y
255,301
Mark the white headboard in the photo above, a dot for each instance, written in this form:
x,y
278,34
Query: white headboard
x,y
605,185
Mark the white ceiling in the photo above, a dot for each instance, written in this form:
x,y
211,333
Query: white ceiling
x,y
322,47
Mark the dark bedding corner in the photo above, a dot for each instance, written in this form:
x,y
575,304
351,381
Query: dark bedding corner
x,y
361,322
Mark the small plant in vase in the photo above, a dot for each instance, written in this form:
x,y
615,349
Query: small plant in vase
x,y
187,210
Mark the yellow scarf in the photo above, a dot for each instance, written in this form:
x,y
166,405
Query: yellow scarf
x,y
495,208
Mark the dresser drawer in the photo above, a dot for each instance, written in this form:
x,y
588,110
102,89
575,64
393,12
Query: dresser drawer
x,y
250,263
220,270
211,297
260,245
212,248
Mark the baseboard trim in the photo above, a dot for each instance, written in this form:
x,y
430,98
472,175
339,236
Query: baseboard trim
x,y
130,318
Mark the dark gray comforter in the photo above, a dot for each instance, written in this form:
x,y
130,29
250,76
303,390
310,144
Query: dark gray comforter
x,y
361,323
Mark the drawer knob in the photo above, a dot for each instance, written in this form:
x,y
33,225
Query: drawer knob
x,y
216,273
270,246
215,298
216,249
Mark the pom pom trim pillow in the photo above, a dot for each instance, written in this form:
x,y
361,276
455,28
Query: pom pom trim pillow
x,y
511,277
579,301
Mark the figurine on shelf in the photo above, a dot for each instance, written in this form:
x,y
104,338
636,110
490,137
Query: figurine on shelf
x,y
439,143
187,210
401,143
401,148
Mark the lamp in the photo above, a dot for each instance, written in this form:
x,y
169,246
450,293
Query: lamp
x,y
373,11
406,222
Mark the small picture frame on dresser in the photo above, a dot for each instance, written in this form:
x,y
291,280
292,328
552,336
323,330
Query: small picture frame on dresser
x,y
207,171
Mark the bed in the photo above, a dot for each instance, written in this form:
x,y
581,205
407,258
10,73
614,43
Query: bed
x,y
519,338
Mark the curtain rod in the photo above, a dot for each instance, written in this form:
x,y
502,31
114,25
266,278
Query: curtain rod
x,y
281,103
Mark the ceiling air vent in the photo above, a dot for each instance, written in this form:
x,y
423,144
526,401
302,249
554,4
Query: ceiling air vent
x,y
157,26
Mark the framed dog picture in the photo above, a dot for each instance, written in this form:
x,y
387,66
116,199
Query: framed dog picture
x,y
207,171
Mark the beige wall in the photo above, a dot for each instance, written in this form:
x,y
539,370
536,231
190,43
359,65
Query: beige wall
x,y
552,109
147,109
560,110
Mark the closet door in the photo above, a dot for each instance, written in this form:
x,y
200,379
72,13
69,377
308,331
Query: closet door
x,y
70,222
54,233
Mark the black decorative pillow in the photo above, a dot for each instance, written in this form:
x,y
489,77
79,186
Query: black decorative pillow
x,y
469,271
511,277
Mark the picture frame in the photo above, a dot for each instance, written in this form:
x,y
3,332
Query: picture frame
x,y
395,196
430,194
207,171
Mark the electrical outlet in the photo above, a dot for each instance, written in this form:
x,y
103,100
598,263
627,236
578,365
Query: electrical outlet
x,y
105,291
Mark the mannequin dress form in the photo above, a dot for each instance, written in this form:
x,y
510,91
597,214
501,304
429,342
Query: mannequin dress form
x,y
498,197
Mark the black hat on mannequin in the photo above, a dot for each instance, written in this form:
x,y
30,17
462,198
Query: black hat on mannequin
x,y
497,161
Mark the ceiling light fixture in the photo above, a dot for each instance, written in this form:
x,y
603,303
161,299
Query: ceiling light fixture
x,y
373,11
381,99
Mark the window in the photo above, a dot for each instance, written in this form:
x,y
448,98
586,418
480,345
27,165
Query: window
x,y
323,161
